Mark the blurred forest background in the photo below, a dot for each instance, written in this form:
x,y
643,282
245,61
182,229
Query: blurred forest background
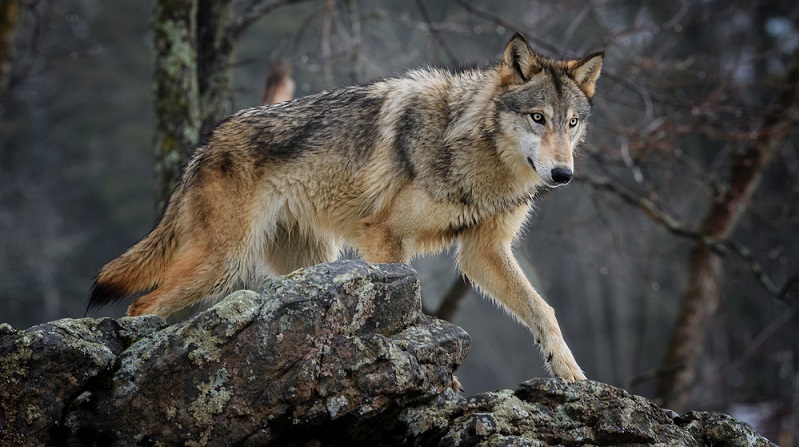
x,y
671,261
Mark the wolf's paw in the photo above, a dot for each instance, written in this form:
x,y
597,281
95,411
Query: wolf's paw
x,y
565,368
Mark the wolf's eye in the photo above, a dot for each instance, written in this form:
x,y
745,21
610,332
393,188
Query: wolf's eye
x,y
573,122
537,117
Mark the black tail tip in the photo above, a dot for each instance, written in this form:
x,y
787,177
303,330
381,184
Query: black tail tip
x,y
102,294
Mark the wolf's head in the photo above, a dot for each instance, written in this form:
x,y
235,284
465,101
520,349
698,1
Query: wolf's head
x,y
543,107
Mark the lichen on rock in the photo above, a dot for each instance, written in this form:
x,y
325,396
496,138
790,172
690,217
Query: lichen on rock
x,y
336,354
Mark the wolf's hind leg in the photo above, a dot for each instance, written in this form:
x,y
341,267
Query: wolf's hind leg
x,y
291,249
378,245
191,277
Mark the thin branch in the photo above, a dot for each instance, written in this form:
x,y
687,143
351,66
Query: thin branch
x,y
452,299
252,13
648,375
465,4
720,246
754,346
436,35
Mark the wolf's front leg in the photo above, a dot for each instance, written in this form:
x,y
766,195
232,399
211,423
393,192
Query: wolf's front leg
x,y
490,265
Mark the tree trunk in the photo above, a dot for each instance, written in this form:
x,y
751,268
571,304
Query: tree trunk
x,y
214,61
177,107
701,297
700,301
194,56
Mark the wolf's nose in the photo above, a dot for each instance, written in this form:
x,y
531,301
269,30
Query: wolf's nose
x,y
562,175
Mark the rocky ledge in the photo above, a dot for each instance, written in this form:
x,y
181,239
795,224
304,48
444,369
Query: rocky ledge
x,y
336,354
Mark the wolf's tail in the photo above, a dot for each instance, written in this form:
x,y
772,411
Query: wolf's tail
x,y
137,271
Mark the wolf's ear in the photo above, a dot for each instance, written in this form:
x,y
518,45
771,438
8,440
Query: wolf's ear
x,y
519,62
585,71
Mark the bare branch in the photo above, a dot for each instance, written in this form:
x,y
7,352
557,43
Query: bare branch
x,y
253,12
465,4
754,346
436,35
720,246
452,299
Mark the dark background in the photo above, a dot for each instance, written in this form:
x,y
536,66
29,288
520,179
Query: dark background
x,y
691,93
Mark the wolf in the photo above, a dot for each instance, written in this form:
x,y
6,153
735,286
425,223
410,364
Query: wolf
x,y
392,169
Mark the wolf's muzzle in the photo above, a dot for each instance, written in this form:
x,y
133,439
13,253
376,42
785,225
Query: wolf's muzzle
x,y
561,175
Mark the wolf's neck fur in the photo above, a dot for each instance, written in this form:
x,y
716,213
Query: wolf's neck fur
x,y
470,142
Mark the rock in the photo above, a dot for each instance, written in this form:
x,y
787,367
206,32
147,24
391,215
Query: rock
x,y
545,412
336,342
45,368
720,429
336,354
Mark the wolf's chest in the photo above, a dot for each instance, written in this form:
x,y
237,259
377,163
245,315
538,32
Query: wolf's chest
x,y
449,219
